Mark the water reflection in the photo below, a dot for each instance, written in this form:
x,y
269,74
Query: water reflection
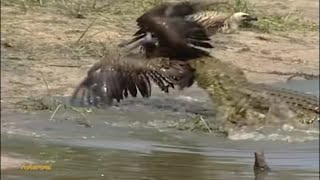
x,y
72,162
120,151
126,165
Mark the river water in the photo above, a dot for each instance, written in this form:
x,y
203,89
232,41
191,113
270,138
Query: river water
x,y
136,140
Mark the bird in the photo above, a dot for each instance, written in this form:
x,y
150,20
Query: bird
x,y
218,22
165,20
169,40
211,21
119,75
165,62
175,38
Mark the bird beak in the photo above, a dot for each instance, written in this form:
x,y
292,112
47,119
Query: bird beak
x,y
251,18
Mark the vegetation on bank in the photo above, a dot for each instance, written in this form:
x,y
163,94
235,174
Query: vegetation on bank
x,y
125,8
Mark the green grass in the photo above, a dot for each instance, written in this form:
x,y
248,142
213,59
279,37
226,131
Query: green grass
x,y
274,23
235,6
243,6
267,23
144,5
122,8
84,8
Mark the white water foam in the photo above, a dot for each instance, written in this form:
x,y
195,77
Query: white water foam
x,y
188,98
286,133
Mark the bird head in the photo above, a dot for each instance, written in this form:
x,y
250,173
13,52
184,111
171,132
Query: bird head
x,y
241,17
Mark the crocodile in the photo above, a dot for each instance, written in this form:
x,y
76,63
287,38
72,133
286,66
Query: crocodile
x,y
239,102
243,103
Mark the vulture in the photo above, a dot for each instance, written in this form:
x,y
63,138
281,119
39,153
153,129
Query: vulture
x,y
211,21
166,28
169,42
217,22
119,75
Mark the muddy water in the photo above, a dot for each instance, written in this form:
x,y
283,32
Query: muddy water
x,y
137,140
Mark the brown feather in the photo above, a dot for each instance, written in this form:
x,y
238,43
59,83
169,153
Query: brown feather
x,y
109,79
131,87
174,33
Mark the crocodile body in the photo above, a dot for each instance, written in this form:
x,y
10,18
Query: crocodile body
x,y
243,103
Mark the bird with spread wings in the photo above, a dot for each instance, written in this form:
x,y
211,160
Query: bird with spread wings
x,y
165,61
212,21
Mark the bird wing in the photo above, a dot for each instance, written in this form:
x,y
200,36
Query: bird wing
x,y
164,10
168,10
178,9
178,38
116,77
212,21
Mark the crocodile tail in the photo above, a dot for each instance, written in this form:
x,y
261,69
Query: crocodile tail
x,y
291,97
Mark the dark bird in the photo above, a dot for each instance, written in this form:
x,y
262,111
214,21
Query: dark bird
x,y
166,27
169,41
116,77
175,39
211,21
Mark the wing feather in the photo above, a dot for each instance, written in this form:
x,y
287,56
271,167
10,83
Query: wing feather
x,y
116,80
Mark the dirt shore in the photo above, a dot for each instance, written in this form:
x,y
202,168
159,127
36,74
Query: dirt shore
x,y
43,47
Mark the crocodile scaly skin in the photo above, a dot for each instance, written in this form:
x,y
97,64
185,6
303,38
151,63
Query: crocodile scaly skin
x,y
242,101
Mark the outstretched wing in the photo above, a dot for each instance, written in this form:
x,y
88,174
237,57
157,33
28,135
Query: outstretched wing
x,y
168,10
116,78
178,39
163,10
173,10
168,25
